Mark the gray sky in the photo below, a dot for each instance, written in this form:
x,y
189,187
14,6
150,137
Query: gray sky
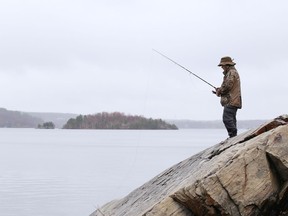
x,y
87,56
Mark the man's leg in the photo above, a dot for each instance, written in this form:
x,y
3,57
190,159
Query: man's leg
x,y
229,120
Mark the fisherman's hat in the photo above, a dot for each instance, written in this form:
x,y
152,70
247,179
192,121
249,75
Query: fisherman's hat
x,y
226,61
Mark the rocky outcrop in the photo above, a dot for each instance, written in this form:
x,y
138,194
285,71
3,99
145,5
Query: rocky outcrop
x,y
244,175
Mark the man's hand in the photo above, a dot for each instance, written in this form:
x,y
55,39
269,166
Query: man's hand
x,y
217,92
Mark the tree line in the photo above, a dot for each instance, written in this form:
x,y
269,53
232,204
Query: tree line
x,y
16,119
117,120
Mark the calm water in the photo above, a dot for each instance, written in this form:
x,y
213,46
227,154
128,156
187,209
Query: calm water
x,y
72,172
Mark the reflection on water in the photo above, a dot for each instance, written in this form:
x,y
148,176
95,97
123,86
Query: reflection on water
x,y
72,172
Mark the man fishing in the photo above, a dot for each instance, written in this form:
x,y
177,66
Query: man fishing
x,y
230,93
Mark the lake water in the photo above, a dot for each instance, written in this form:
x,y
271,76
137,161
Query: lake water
x,y
72,172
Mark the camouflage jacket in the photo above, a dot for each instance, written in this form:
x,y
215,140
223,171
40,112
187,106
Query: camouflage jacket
x,y
230,90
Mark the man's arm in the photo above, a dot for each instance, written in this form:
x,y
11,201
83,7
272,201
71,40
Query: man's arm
x,y
227,84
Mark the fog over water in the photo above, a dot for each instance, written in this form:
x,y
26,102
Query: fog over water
x,y
88,56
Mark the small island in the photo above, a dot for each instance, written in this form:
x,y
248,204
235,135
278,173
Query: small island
x,y
117,120
46,125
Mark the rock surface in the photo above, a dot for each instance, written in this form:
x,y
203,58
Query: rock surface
x,y
244,175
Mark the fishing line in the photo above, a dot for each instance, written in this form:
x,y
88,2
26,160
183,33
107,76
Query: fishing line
x,y
140,132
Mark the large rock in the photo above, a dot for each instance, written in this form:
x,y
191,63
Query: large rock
x,y
244,175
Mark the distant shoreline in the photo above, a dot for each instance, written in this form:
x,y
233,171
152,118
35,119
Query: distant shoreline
x,y
18,119
214,124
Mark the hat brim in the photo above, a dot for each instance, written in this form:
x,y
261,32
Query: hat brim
x,y
226,63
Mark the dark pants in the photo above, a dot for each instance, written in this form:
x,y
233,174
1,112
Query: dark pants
x,y
229,120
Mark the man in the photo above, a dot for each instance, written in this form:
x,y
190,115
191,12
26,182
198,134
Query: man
x,y
230,93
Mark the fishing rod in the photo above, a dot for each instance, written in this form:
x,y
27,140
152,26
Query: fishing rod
x,y
184,68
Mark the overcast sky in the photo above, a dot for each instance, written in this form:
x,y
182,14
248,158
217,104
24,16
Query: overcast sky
x,y
89,56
